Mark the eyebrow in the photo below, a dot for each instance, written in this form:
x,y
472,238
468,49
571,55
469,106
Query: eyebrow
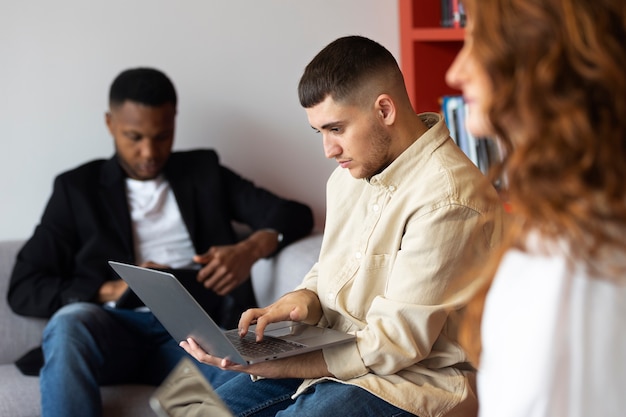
x,y
330,125
132,131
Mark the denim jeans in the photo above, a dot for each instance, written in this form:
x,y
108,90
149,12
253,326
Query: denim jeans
x,y
272,397
86,346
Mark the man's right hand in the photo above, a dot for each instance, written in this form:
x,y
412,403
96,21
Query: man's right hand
x,y
111,291
154,265
302,306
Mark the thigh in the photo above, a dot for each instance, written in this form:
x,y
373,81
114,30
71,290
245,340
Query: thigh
x,y
333,398
144,352
121,346
264,397
215,376
154,352
138,325
83,324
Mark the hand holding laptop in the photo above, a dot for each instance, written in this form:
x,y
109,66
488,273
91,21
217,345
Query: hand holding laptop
x,y
304,365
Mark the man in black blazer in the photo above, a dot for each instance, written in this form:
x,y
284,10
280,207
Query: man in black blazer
x,y
146,206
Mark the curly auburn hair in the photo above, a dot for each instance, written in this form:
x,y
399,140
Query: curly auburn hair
x,y
557,69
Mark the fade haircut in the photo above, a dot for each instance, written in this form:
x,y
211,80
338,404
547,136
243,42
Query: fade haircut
x,y
146,86
345,68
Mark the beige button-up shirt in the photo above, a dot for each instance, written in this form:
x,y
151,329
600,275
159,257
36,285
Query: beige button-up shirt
x,y
390,259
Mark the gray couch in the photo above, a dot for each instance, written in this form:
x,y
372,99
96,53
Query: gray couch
x,y
19,394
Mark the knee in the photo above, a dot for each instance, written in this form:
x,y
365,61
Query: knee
x,y
70,318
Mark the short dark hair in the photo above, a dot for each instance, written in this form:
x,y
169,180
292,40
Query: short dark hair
x,y
147,86
343,67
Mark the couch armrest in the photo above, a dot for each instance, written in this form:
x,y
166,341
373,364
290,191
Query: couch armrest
x,y
17,334
273,277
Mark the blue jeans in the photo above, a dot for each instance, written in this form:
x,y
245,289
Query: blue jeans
x,y
272,397
86,346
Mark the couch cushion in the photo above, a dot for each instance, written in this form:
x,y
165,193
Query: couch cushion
x,y
19,397
273,277
19,334
19,394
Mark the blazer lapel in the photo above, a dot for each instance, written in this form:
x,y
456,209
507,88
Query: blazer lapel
x,y
183,189
113,194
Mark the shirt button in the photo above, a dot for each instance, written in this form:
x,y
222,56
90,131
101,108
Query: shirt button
x,y
375,207
392,188
330,296
358,255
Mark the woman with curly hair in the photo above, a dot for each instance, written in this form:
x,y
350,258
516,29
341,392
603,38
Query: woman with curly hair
x,y
547,78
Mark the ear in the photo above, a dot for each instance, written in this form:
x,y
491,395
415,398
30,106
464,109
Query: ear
x,y
108,118
386,109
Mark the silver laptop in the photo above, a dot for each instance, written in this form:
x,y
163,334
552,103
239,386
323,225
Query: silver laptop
x,y
183,317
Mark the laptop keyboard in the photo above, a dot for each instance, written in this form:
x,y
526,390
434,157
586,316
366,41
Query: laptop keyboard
x,y
248,346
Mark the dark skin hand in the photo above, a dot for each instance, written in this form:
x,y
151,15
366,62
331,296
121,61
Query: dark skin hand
x,y
227,267
113,290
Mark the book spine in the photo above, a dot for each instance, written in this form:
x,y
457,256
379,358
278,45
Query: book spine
x,y
446,13
456,14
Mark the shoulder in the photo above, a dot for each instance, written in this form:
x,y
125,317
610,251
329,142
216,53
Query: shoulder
x,y
194,156
197,165
526,289
192,161
88,171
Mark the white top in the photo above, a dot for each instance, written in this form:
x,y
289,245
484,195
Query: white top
x,y
554,342
159,233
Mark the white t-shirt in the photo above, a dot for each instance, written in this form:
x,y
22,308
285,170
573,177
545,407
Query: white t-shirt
x,y
159,233
554,342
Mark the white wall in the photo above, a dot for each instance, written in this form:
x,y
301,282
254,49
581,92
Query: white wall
x,y
235,63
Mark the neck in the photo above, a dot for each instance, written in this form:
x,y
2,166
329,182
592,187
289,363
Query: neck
x,y
412,130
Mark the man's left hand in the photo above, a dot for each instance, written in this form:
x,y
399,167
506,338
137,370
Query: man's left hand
x,y
306,365
225,267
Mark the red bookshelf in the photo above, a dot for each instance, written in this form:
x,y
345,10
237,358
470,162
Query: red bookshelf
x,y
426,52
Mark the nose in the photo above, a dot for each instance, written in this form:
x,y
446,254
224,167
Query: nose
x,y
331,148
148,148
454,75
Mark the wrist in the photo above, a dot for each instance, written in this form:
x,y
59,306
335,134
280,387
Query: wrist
x,y
279,236
263,242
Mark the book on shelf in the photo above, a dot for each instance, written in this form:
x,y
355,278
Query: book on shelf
x,y
449,106
483,152
452,14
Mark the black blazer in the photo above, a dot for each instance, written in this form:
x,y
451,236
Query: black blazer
x,y
87,222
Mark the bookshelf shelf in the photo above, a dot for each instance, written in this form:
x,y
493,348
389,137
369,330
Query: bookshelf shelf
x,y
437,34
426,52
